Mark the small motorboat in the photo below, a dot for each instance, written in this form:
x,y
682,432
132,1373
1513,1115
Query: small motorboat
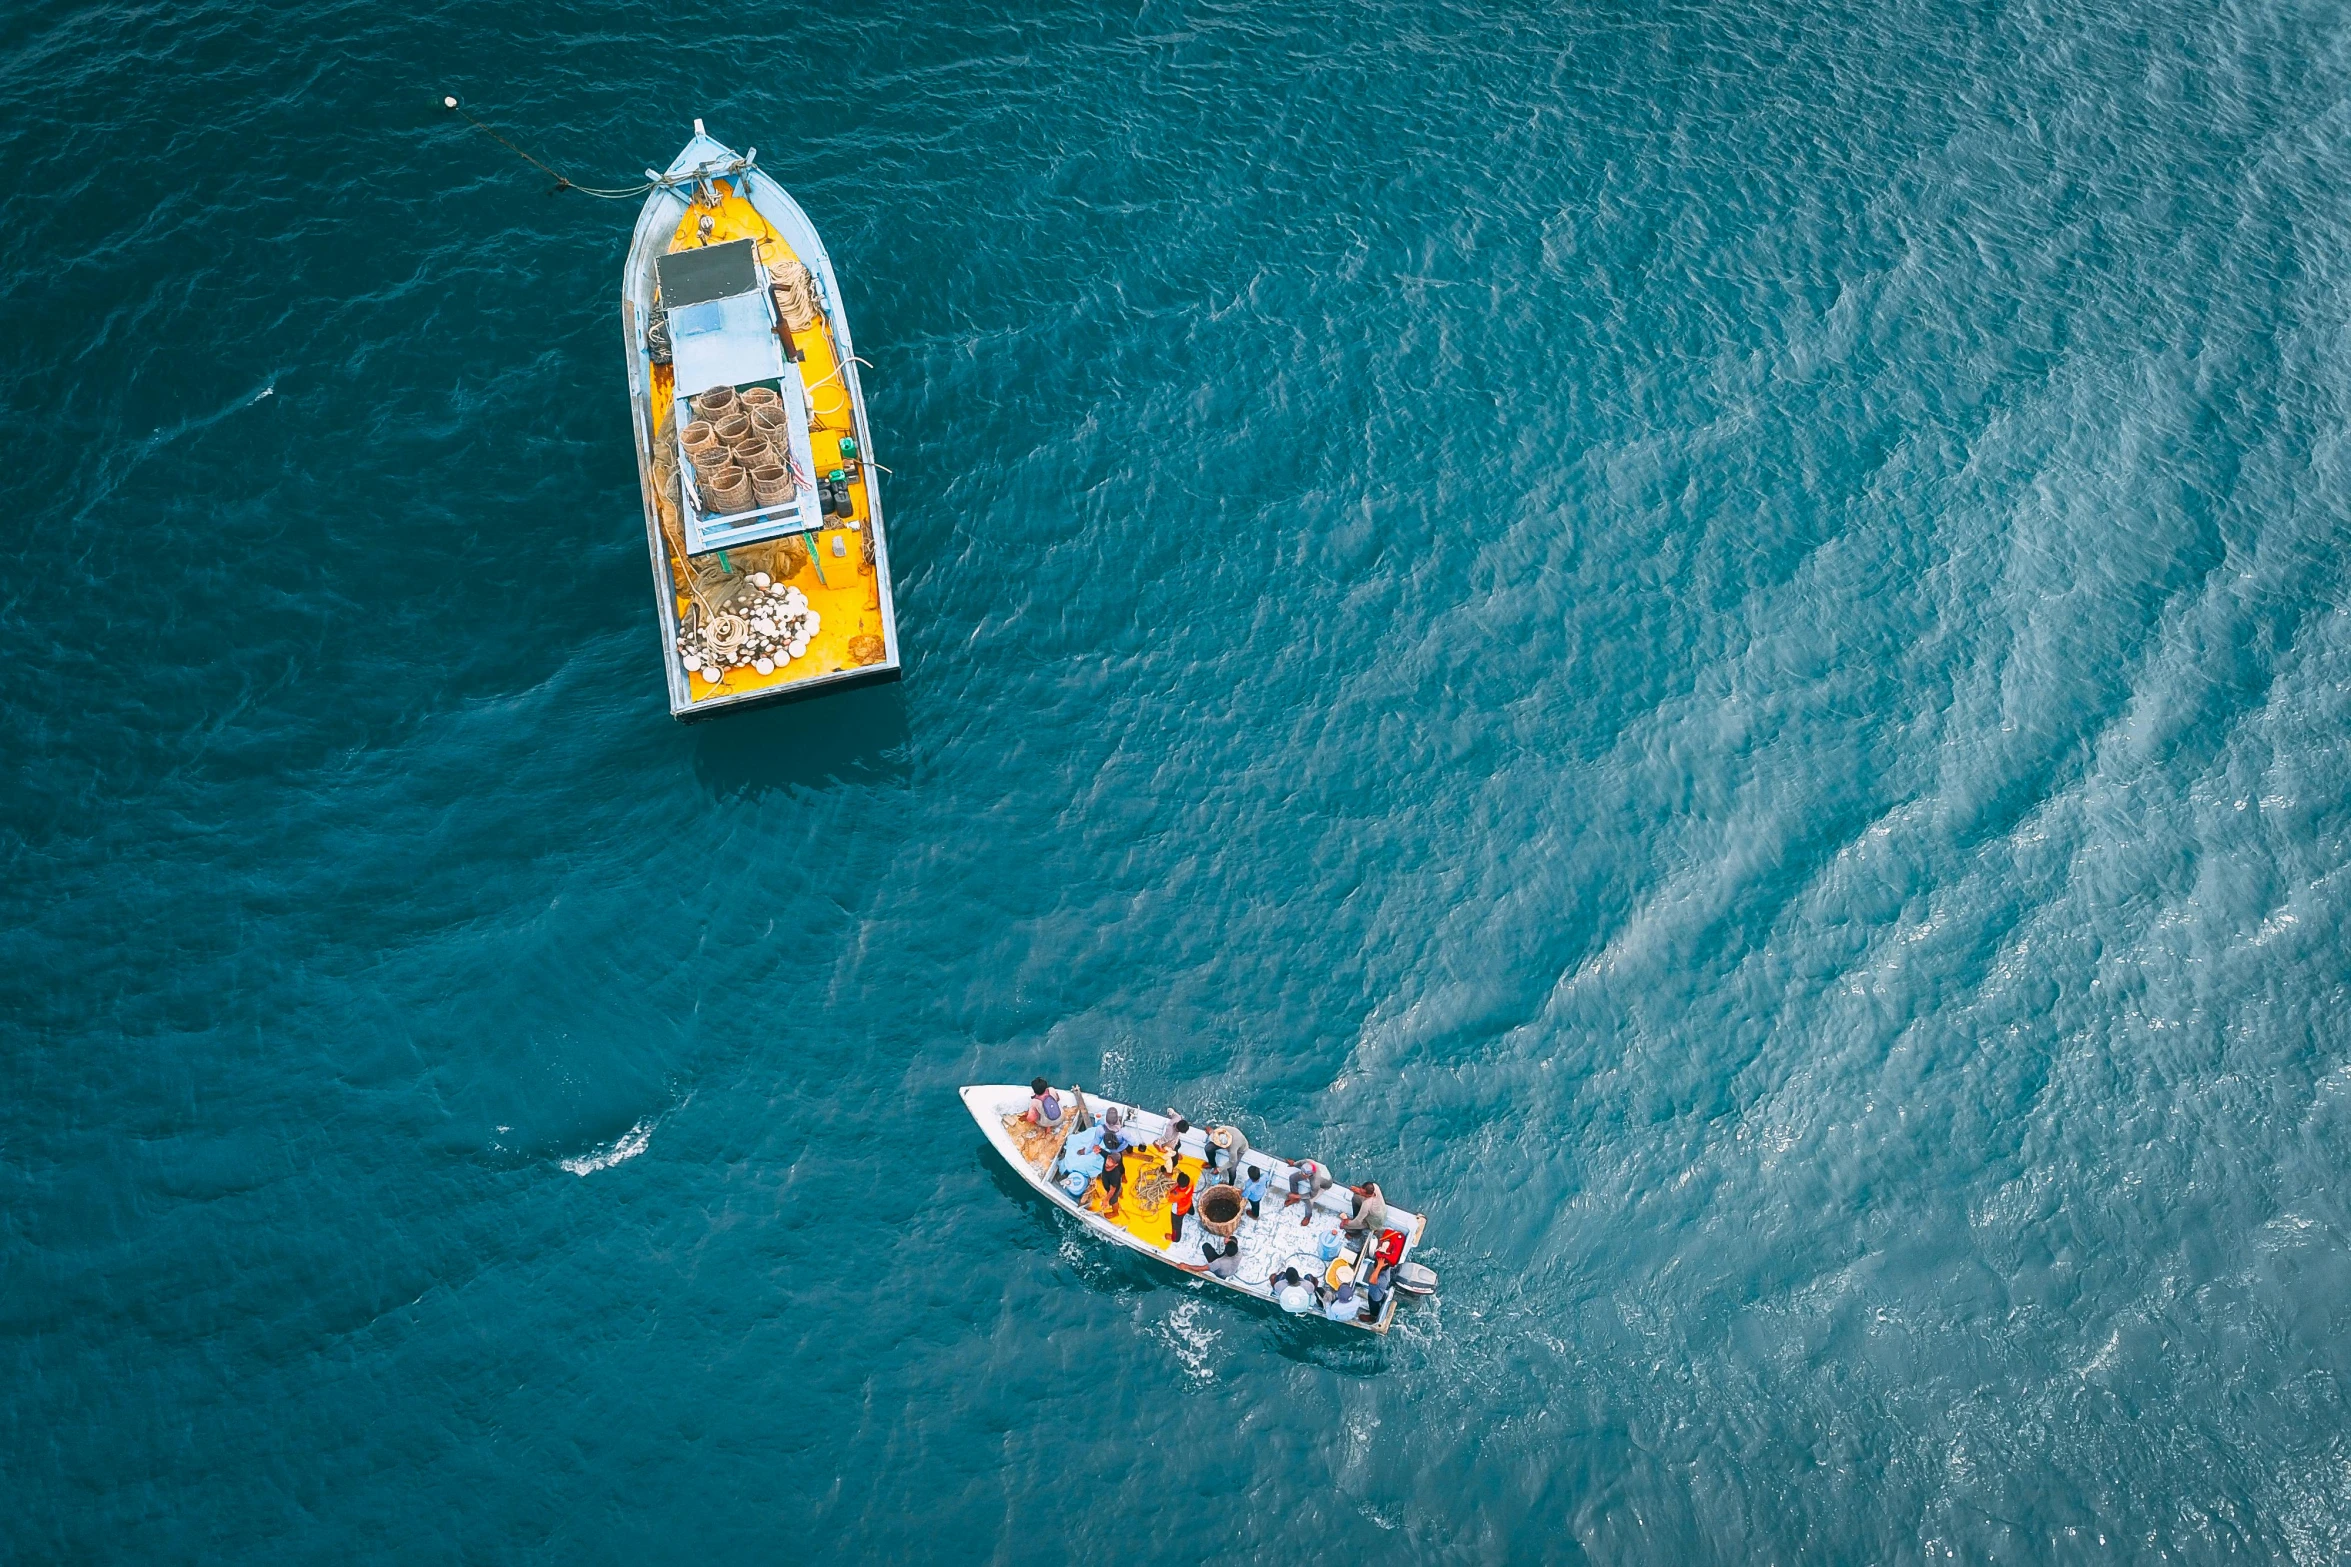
x,y
770,566
1306,1237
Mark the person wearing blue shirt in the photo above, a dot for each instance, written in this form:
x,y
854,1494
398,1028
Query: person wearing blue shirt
x,y
1081,1160
1254,1189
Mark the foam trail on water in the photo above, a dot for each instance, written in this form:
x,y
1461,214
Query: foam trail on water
x,y
627,1146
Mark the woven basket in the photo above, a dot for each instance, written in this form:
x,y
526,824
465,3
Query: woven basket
x,y
707,462
698,438
728,490
1220,1210
715,404
754,398
771,485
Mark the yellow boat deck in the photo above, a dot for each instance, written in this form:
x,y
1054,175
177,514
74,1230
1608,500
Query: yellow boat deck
x,y
1142,1209
840,581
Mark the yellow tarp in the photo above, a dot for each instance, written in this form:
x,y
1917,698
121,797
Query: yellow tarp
x,y
1145,1173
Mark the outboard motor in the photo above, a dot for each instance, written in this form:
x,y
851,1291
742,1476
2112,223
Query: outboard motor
x,y
1413,1278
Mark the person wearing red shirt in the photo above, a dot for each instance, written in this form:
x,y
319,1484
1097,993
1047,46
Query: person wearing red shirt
x,y
1385,1255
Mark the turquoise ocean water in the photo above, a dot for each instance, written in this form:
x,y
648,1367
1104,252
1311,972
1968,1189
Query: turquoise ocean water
x,y
1713,637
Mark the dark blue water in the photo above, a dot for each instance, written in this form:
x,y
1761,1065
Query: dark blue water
x,y
1713,637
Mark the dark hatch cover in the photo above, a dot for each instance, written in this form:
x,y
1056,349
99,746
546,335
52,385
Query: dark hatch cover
x,y
694,277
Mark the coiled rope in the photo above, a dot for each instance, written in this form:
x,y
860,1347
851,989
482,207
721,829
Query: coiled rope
x,y
562,181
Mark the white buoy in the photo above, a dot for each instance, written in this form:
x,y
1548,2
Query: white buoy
x,y
766,666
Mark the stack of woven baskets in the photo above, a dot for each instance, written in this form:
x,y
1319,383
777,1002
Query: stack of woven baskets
x,y
740,450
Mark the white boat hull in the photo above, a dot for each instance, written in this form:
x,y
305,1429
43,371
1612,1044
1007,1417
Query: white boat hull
x,y
1269,1243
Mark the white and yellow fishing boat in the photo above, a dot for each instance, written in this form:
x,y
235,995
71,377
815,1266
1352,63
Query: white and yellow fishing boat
x,y
770,565
1219,1240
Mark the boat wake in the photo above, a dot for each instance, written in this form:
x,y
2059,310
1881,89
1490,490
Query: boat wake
x,y
1191,1340
627,1146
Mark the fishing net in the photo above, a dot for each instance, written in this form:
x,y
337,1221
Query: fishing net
x,y
1151,1191
1037,1144
795,294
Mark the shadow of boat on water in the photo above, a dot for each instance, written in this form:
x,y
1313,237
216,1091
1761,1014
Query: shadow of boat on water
x,y
856,736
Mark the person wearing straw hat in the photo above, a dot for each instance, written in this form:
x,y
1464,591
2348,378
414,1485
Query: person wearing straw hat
x,y
1226,1148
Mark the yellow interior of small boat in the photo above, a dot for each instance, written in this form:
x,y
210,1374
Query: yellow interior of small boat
x,y
1146,1221
840,580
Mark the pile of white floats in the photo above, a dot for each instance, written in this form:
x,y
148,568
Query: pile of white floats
x,y
766,626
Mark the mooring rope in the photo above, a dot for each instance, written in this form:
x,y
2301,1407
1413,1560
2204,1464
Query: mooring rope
x,y
562,182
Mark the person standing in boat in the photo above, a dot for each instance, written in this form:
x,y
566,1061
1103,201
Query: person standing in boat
x,y
1044,1104
1179,1203
1113,1181
1170,1142
1253,1190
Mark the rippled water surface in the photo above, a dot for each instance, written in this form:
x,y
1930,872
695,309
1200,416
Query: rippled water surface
x,y
1713,637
